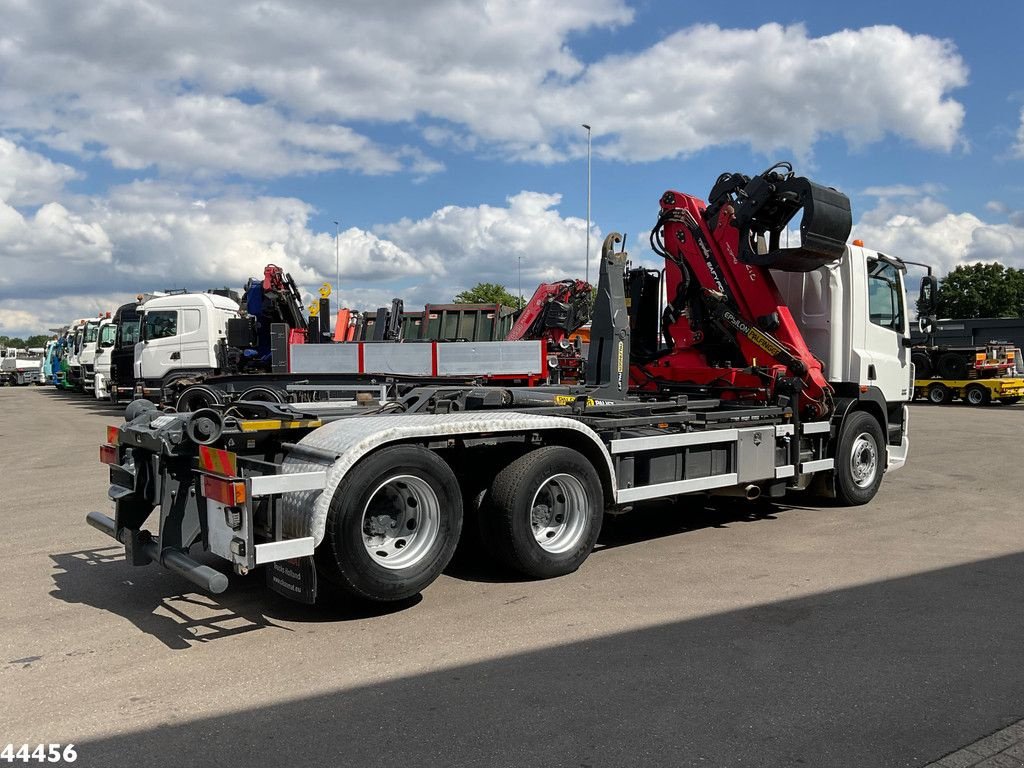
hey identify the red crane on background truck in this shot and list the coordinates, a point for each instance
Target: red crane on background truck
(771, 370)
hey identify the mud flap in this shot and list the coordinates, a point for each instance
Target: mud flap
(294, 579)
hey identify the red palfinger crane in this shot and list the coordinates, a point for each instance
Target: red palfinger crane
(726, 325)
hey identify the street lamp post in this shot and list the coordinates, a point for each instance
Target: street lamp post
(337, 260)
(519, 260)
(588, 201)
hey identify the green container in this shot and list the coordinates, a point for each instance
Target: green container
(466, 322)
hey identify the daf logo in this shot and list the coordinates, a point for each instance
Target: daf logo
(757, 438)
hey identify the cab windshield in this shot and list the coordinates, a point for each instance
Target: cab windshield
(92, 330)
(107, 334)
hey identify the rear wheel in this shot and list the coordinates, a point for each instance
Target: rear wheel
(860, 459)
(392, 526)
(198, 396)
(262, 394)
(952, 366)
(939, 394)
(976, 394)
(544, 512)
(922, 365)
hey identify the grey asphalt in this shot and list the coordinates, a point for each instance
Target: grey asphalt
(725, 635)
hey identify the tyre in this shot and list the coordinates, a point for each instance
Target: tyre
(197, 396)
(952, 366)
(392, 526)
(976, 394)
(544, 511)
(1009, 400)
(860, 459)
(939, 394)
(263, 394)
(922, 365)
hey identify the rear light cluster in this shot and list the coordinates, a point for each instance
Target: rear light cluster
(108, 452)
(229, 492)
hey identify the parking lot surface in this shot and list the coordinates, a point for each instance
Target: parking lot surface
(733, 634)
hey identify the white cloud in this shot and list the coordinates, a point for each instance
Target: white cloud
(773, 87)
(266, 90)
(930, 233)
(1018, 148)
(28, 178)
(486, 243)
(89, 253)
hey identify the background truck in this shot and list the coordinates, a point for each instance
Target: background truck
(187, 338)
(732, 399)
(974, 375)
(104, 349)
(90, 348)
(20, 366)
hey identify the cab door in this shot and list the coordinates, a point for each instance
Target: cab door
(889, 365)
(159, 350)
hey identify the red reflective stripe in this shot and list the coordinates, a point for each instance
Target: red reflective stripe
(433, 358)
(218, 460)
(361, 368)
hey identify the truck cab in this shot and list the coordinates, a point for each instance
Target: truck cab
(122, 354)
(87, 355)
(181, 335)
(853, 315)
(104, 347)
(73, 369)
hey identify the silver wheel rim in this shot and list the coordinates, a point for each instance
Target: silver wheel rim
(401, 522)
(936, 395)
(864, 460)
(558, 513)
(975, 396)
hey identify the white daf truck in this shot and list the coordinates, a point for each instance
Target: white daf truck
(372, 500)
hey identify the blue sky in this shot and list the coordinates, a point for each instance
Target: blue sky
(169, 145)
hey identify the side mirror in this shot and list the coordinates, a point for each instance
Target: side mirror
(925, 324)
(928, 299)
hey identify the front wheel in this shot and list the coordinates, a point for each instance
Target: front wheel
(392, 525)
(860, 459)
(544, 512)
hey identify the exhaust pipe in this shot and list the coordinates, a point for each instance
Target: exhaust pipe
(750, 492)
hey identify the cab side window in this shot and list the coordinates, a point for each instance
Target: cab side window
(161, 325)
(885, 298)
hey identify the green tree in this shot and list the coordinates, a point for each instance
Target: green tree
(982, 290)
(487, 293)
(39, 340)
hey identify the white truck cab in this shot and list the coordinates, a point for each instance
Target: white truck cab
(76, 334)
(87, 354)
(181, 334)
(853, 315)
(104, 345)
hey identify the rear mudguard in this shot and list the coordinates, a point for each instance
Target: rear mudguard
(343, 443)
